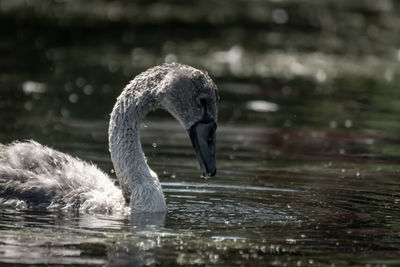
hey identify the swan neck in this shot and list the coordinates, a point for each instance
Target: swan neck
(129, 161)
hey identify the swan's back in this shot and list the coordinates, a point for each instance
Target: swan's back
(36, 176)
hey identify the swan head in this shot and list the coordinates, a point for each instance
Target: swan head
(192, 98)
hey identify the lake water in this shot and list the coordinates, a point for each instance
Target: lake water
(308, 146)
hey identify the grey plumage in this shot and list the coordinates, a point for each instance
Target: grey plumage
(36, 176)
(33, 175)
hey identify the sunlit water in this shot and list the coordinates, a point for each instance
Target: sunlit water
(308, 151)
(263, 206)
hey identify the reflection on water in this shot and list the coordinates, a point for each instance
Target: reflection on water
(301, 205)
(307, 146)
(221, 217)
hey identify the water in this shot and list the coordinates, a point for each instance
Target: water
(308, 153)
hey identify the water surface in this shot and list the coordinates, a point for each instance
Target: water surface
(308, 151)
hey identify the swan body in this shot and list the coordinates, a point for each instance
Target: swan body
(36, 176)
(33, 175)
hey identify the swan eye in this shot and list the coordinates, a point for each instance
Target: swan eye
(203, 102)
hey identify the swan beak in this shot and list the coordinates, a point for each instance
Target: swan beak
(202, 135)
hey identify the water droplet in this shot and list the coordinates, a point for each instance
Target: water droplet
(64, 112)
(291, 241)
(333, 124)
(28, 105)
(88, 89)
(170, 58)
(80, 82)
(280, 16)
(112, 171)
(154, 145)
(320, 76)
(262, 106)
(113, 66)
(68, 87)
(30, 87)
(358, 174)
(369, 141)
(348, 123)
(73, 98)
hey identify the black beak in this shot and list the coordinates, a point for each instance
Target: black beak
(202, 134)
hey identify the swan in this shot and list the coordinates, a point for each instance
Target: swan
(36, 176)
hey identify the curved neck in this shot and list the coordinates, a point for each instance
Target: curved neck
(139, 184)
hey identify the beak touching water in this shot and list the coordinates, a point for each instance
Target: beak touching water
(202, 135)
